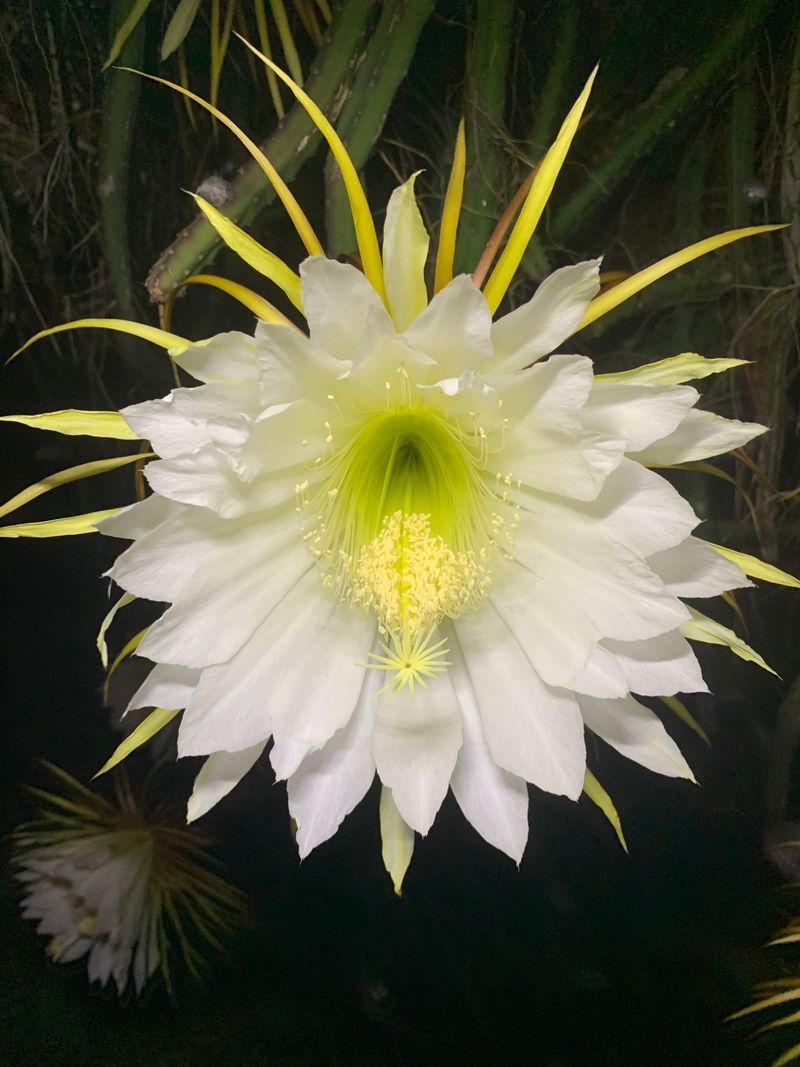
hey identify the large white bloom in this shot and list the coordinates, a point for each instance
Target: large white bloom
(417, 542)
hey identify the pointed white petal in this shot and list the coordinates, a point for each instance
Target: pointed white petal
(330, 782)
(568, 463)
(220, 773)
(554, 391)
(694, 569)
(415, 743)
(532, 730)
(405, 250)
(635, 732)
(454, 328)
(660, 666)
(168, 685)
(140, 518)
(638, 413)
(226, 357)
(336, 299)
(291, 367)
(493, 800)
(700, 435)
(549, 317)
(179, 423)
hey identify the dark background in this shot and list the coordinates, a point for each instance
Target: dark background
(585, 955)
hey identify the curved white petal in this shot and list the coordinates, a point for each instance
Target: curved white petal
(569, 463)
(658, 666)
(415, 743)
(454, 328)
(299, 677)
(700, 435)
(292, 368)
(638, 413)
(179, 423)
(220, 773)
(168, 685)
(226, 357)
(694, 569)
(405, 250)
(330, 782)
(549, 317)
(141, 518)
(635, 732)
(336, 300)
(553, 391)
(532, 730)
(493, 800)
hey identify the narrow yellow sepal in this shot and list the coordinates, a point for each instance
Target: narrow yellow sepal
(768, 1002)
(597, 794)
(284, 193)
(607, 301)
(260, 307)
(755, 567)
(535, 202)
(170, 341)
(129, 647)
(362, 218)
(71, 474)
(675, 370)
(69, 526)
(451, 210)
(701, 628)
(253, 253)
(77, 423)
(102, 647)
(147, 728)
(397, 840)
(683, 713)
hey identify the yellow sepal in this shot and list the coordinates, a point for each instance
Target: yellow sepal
(755, 567)
(253, 253)
(170, 341)
(710, 632)
(397, 840)
(147, 728)
(683, 713)
(260, 307)
(102, 648)
(535, 202)
(595, 792)
(71, 474)
(285, 195)
(607, 301)
(451, 209)
(77, 423)
(129, 647)
(675, 370)
(69, 526)
(363, 223)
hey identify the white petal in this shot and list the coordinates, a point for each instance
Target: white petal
(564, 462)
(636, 507)
(549, 317)
(700, 435)
(635, 732)
(336, 299)
(291, 367)
(405, 250)
(618, 591)
(694, 569)
(227, 599)
(298, 676)
(551, 626)
(532, 731)
(659, 666)
(555, 391)
(179, 423)
(640, 414)
(330, 782)
(415, 743)
(454, 328)
(226, 357)
(220, 773)
(168, 685)
(493, 800)
(140, 518)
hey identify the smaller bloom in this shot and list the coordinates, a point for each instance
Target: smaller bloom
(106, 882)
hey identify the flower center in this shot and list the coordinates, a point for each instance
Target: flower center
(404, 526)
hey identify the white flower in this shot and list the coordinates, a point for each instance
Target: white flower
(417, 542)
(103, 882)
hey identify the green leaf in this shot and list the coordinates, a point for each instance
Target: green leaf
(179, 26)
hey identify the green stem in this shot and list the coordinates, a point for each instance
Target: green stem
(487, 79)
(294, 141)
(548, 114)
(650, 122)
(385, 64)
(119, 113)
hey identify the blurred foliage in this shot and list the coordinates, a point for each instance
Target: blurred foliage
(694, 129)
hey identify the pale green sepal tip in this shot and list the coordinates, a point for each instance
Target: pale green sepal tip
(397, 840)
